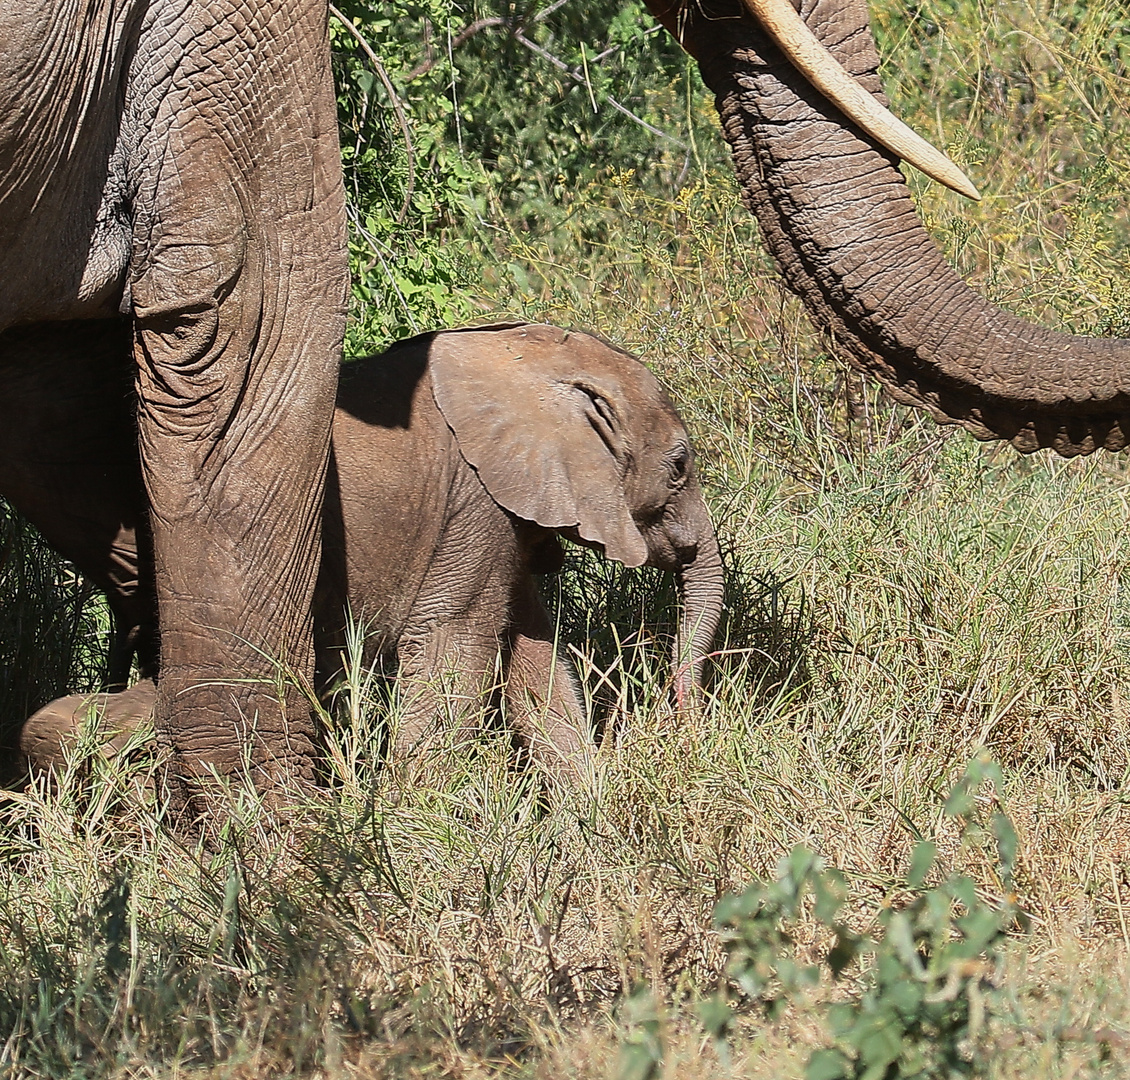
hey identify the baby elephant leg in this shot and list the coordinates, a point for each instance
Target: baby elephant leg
(48, 734)
(445, 678)
(542, 699)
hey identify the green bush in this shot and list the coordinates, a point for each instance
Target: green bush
(928, 980)
(54, 628)
(461, 125)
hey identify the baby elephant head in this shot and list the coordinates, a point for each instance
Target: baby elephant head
(570, 433)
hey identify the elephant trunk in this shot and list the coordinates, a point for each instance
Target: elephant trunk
(836, 214)
(701, 589)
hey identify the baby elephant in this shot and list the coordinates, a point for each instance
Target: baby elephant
(459, 458)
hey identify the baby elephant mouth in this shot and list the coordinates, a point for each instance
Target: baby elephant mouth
(686, 552)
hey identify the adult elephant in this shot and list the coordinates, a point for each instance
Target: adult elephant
(459, 459)
(836, 214)
(173, 165)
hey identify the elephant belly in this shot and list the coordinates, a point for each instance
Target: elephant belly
(422, 539)
(391, 471)
(413, 542)
(64, 227)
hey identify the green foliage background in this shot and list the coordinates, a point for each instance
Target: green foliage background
(562, 161)
(467, 124)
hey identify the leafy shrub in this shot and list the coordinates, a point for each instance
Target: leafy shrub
(928, 984)
(463, 124)
(400, 186)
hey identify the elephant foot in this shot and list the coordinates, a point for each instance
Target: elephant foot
(557, 745)
(47, 736)
(429, 765)
(564, 773)
(223, 735)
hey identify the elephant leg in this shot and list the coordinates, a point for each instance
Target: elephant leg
(446, 675)
(542, 699)
(135, 626)
(49, 733)
(238, 289)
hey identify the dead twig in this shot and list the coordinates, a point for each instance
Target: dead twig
(465, 34)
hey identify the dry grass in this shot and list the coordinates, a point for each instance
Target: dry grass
(901, 597)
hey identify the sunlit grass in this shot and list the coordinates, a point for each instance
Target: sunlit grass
(900, 596)
(470, 925)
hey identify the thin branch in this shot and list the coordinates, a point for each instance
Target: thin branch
(643, 123)
(397, 106)
(464, 35)
(375, 247)
(546, 12)
(535, 48)
(578, 78)
(517, 31)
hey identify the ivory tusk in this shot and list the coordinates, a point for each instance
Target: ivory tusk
(788, 30)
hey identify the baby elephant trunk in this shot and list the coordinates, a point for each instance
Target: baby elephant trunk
(701, 589)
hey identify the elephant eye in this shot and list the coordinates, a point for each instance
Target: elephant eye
(679, 462)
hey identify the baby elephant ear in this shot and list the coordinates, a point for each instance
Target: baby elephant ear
(538, 414)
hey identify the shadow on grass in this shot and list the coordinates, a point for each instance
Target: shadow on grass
(54, 631)
(621, 624)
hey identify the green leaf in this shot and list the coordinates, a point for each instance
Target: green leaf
(906, 996)
(963, 890)
(1008, 844)
(900, 937)
(846, 950)
(715, 1015)
(637, 1062)
(828, 1065)
(960, 802)
(980, 926)
(921, 863)
(801, 862)
(830, 894)
(879, 1043)
(641, 1052)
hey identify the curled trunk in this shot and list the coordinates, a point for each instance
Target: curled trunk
(836, 214)
(701, 587)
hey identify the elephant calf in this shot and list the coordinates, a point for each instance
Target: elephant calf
(459, 458)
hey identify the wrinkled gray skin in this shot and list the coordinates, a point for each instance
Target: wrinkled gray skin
(170, 194)
(49, 732)
(139, 174)
(835, 212)
(458, 459)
